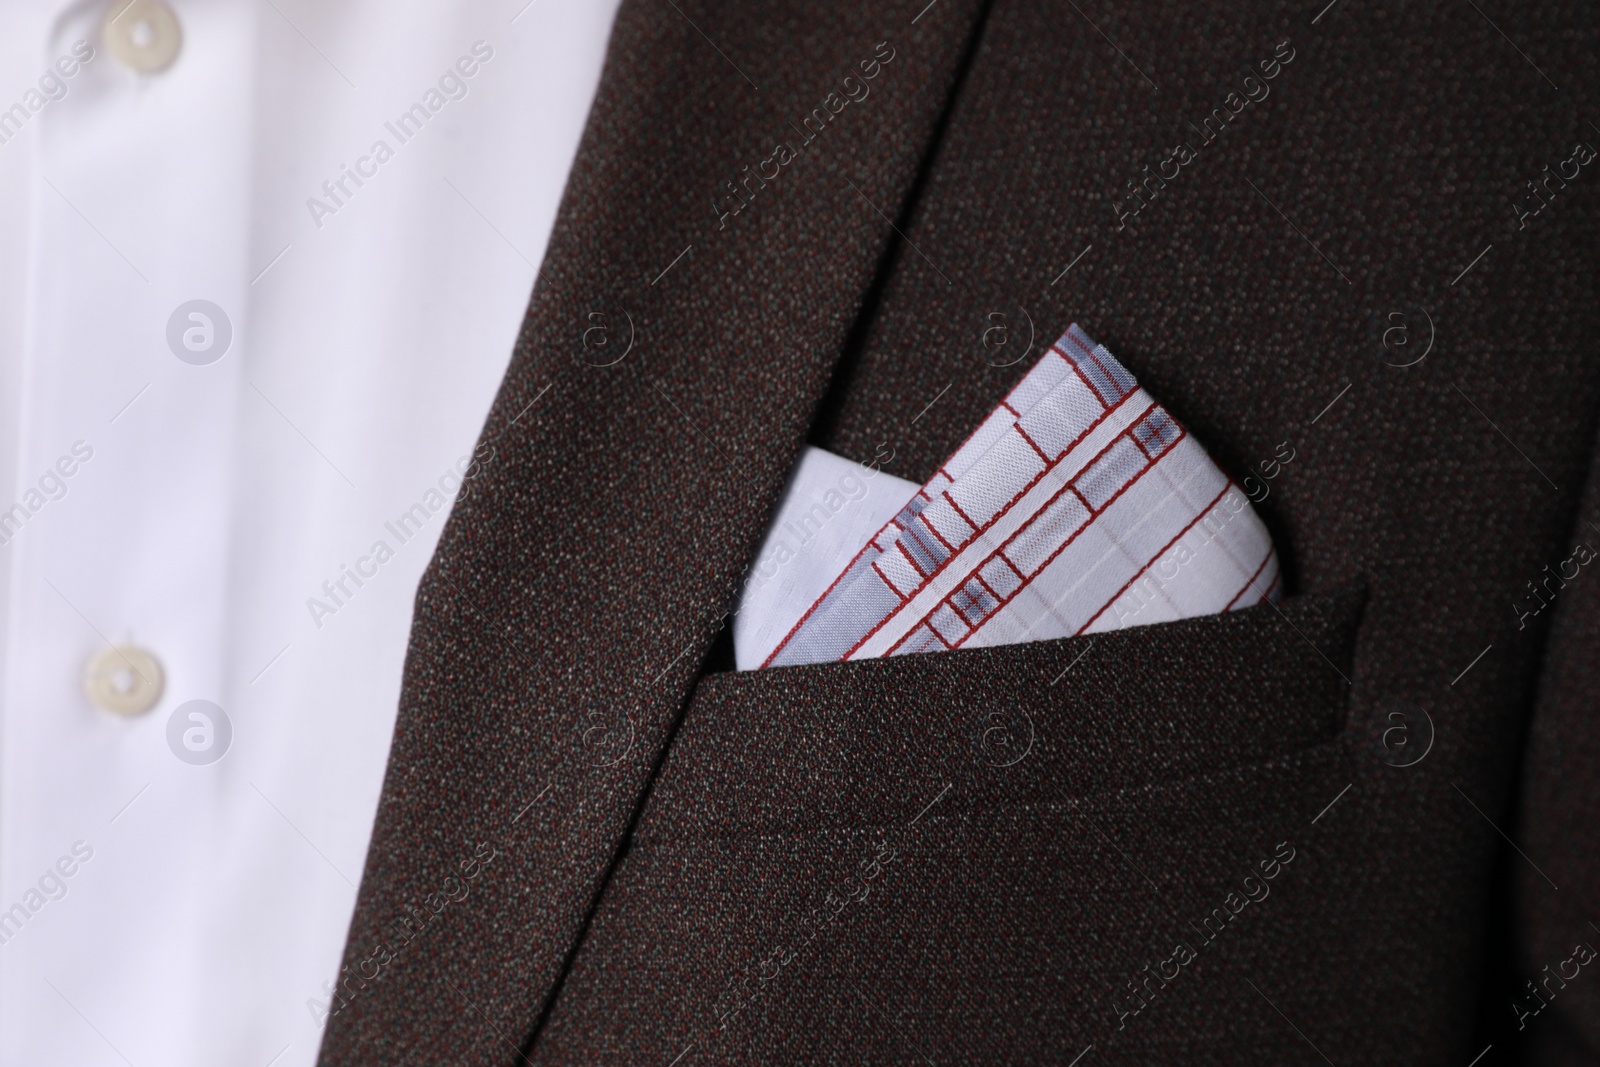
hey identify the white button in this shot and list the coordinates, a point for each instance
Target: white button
(144, 34)
(124, 679)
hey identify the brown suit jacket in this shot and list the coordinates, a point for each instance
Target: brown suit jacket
(1280, 836)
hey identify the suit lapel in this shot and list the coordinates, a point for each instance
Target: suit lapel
(676, 347)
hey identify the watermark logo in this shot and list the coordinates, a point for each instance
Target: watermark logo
(1256, 488)
(53, 86)
(1005, 737)
(199, 332)
(51, 886)
(1543, 593)
(606, 744)
(735, 194)
(1542, 190)
(453, 84)
(1407, 737)
(1406, 336)
(199, 732)
(1007, 336)
(608, 337)
(1147, 185)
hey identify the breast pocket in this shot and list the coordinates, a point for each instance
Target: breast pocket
(847, 744)
(842, 848)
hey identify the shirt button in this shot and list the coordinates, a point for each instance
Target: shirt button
(124, 679)
(143, 34)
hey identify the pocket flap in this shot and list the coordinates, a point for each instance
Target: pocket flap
(864, 743)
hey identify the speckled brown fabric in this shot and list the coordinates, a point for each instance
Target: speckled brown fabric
(1560, 816)
(1270, 838)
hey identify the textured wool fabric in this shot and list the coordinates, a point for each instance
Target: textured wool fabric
(1560, 808)
(920, 854)
(581, 580)
(1283, 850)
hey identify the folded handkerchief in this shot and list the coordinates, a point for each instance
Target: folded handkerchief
(829, 509)
(1078, 506)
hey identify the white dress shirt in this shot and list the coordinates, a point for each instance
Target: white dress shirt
(200, 481)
